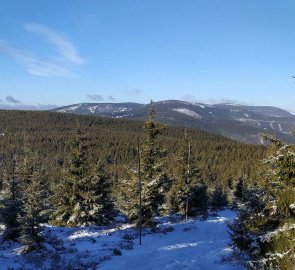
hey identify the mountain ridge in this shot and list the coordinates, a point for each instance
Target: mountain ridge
(236, 121)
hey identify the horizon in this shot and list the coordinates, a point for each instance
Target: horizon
(65, 52)
(40, 107)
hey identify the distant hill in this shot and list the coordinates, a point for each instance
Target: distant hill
(238, 122)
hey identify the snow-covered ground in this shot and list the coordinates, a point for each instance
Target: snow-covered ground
(188, 112)
(195, 244)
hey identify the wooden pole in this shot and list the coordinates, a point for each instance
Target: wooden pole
(139, 191)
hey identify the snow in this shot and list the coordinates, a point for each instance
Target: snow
(92, 109)
(271, 125)
(251, 121)
(122, 109)
(188, 112)
(235, 110)
(201, 105)
(268, 236)
(195, 244)
(280, 127)
(71, 108)
(124, 115)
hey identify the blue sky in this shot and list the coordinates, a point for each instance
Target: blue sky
(63, 52)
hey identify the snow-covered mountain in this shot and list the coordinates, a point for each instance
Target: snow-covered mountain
(239, 122)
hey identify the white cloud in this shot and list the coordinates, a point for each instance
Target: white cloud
(64, 46)
(33, 64)
(11, 99)
(48, 69)
(95, 97)
(50, 66)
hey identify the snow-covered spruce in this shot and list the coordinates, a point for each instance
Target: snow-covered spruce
(83, 195)
(265, 227)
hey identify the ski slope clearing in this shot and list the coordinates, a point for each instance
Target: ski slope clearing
(195, 244)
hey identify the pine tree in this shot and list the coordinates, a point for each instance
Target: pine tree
(35, 192)
(11, 203)
(83, 196)
(188, 193)
(127, 195)
(267, 232)
(240, 189)
(153, 178)
(243, 225)
(96, 206)
(153, 174)
(34, 210)
(219, 199)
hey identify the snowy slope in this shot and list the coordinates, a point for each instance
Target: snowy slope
(238, 122)
(194, 245)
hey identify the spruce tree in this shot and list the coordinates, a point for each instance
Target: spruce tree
(127, 195)
(35, 192)
(267, 232)
(188, 193)
(219, 199)
(240, 189)
(10, 203)
(83, 195)
(34, 210)
(154, 179)
(153, 175)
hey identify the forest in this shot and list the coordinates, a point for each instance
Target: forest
(69, 170)
(115, 142)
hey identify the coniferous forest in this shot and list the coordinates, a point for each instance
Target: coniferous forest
(147, 135)
(71, 171)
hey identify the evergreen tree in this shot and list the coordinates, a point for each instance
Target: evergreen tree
(240, 189)
(219, 199)
(11, 203)
(35, 192)
(127, 195)
(96, 206)
(188, 193)
(153, 178)
(153, 174)
(82, 197)
(267, 231)
(34, 210)
(240, 229)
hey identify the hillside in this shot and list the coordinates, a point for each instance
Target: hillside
(114, 140)
(238, 122)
